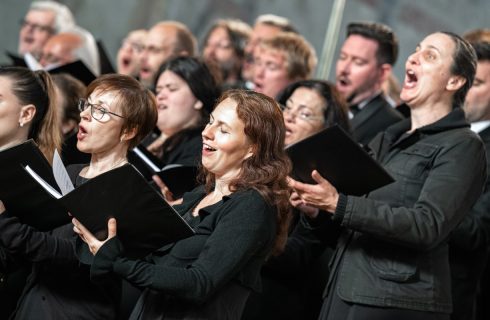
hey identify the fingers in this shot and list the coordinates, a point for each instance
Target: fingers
(318, 178)
(82, 231)
(167, 194)
(111, 228)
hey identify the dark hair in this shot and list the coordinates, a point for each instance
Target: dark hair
(482, 50)
(266, 170)
(385, 37)
(204, 87)
(335, 110)
(36, 88)
(238, 32)
(72, 90)
(197, 76)
(137, 104)
(464, 65)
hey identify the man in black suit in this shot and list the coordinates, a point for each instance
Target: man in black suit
(468, 244)
(365, 62)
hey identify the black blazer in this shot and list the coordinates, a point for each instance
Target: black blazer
(468, 248)
(374, 117)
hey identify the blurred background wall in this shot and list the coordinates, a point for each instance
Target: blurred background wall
(110, 20)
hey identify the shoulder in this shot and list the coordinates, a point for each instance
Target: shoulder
(249, 201)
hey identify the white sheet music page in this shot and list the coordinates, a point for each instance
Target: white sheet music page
(61, 175)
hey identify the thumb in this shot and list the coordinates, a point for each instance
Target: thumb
(318, 178)
(111, 228)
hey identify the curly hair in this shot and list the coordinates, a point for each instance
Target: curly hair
(266, 170)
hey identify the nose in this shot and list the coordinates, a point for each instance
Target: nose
(161, 95)
(85, 114)
(344, 66)
(413, 58)
(208, 132)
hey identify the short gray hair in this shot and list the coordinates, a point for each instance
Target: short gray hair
(64, 19)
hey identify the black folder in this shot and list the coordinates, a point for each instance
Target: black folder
(17, 60)
(77, 69)
(145, 221)
(21, 195)
(177, 177)
(340, 160)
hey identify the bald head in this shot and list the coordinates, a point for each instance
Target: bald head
(164, 41)
(60, 49)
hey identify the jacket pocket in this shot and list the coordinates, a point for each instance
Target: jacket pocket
(414, 161)
(394, 264)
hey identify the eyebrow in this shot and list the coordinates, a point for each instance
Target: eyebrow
(430, 47)
(219, 122)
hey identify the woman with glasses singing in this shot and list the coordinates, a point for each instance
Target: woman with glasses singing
(240, 217)
(116, 115)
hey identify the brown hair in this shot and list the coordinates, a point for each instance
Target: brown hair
(137, 104)
(300, 56)
(37, 88)
(266, 170)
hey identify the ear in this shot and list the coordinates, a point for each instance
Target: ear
(455, 83)
(198, 105)
(251, 152)
(385, 71)
(27, 113)
(128, 134)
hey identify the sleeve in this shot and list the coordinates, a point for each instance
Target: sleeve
(241, 233)
(307, 242)
(453, 184)
(23, 241)
(473, 233)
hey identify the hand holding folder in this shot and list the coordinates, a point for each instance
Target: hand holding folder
(178, 178)
(340, 160)
(145, 220)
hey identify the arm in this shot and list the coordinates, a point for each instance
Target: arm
(473, 233)
(22, 241)
(242, 233)
(446, 195)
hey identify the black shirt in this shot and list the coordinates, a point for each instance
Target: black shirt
(206, 276)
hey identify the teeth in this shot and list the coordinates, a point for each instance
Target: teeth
(207, 147)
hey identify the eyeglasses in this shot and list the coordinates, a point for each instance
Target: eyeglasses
(138, 47)
(35, 27)
(302, 113)
(96, 110)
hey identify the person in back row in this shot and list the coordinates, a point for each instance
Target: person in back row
(164, 41)
(224, 46)
(280, 61)
(364, 63)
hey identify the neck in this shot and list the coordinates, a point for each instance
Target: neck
(103, 163)
(221, 188)
(425, 115)
(19, 138)
(365, 95)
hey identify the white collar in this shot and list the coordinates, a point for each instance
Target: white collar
(479, 126)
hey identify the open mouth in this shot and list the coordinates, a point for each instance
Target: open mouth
(343, 81)
(410, 79)
(82, 132)
(207, 148)
(126, 62)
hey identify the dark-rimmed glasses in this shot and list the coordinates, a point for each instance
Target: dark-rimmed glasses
(35, 27)
(96, 110)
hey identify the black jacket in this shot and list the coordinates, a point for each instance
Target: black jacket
(394, 252)
(468, 247)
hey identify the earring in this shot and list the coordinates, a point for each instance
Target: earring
(21, 124)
